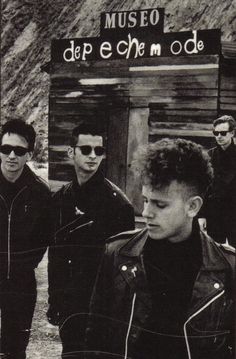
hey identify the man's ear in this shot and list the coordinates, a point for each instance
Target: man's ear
(194, 205)
(70, 152)
(29, 156)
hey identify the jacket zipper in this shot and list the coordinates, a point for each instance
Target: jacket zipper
(65, 226)
(81, 226)
(194, 315)
(9, 215)
(133, 270)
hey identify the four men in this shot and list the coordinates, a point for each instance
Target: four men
(86, 212)
(221, 203)
(24, 236)
(162, 292)
(165, 291)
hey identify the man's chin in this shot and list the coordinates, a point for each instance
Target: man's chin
(12, 168)
(156, 236)
(90, 170)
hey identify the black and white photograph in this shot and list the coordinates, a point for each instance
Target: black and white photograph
(118, 179)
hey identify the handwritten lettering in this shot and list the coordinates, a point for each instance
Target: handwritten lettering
(155, 50)
(105, 50)
(190, 47)
(73, 53)
(132, 45)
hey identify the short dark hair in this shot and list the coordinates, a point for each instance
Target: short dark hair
(19, 127)
(166, 160)
(85, 129)
(225, 119)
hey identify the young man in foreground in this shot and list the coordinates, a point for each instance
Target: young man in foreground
(165, 292)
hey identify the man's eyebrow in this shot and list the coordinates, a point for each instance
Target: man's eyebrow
(154, 200)
(158, 200)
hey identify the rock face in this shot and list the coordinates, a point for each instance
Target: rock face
(29, 25)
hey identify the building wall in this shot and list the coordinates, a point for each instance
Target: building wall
(137, 101)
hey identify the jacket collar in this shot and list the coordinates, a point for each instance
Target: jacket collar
(209, 282)
(134, 247)
(26, 178)
(212, 258)
(96, 179)
(230, 149)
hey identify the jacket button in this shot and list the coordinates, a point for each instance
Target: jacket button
(124, 268)
(216, 286)
(69, 261)
(114, 194)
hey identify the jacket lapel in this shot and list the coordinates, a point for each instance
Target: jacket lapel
(131, 267)
(211, 276)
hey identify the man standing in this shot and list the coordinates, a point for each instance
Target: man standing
(165, 291)
(25, 230)
(221, 202)
(87, 211)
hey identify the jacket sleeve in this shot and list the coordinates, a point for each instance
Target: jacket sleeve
(57, 274)
(42, 229)
(58, 264)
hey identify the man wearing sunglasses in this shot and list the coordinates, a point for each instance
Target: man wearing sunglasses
(24, 233)
(221, 204)
(87, 211)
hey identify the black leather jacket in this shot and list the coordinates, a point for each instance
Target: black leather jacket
(83, 217)
(25, 225)
(121, 302)
(219, 208)
(224, 164)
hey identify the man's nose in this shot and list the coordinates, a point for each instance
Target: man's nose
(12, 154)
(147, 211)
(92, 153)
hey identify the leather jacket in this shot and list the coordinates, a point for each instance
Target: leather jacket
(224, 164)
(83, 218)
(25, 225)
(220, 206)
(121, 302)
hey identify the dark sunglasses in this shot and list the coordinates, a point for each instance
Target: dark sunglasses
(222, 133)
(18, 150)
(86, 150)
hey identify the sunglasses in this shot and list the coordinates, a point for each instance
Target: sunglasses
(18, 150)
(222, 133)
(86, 150)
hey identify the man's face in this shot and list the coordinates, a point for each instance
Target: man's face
(87, 163)
(166, 212)
(223, 141)
(12, 163)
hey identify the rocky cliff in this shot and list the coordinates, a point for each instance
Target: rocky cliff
(29, 25)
